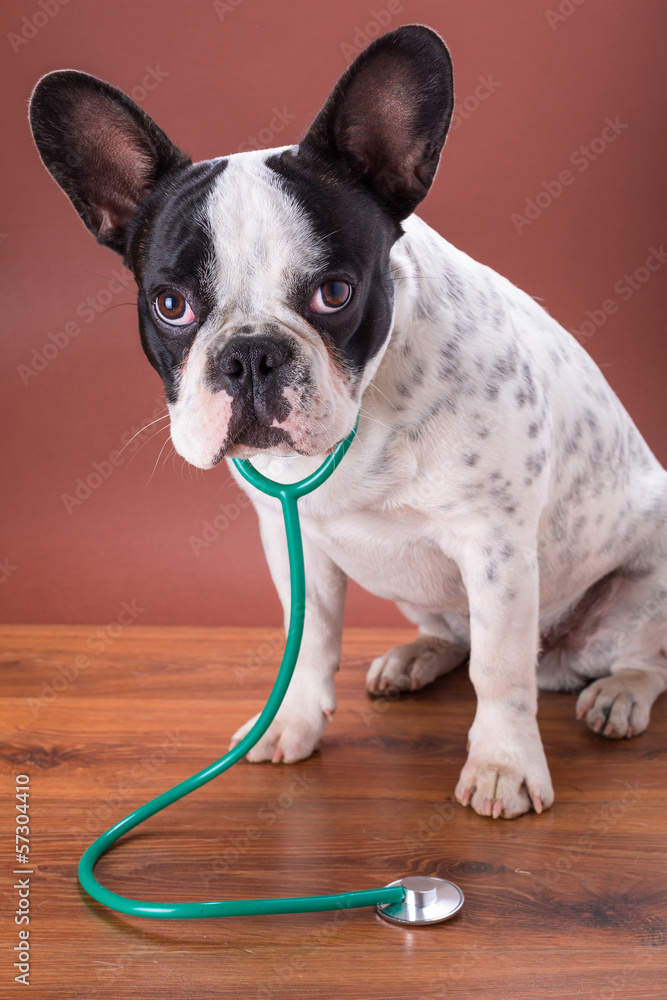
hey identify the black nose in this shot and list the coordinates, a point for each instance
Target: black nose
(254, 369)
(246, 360)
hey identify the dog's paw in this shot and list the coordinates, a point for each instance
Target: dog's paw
(408, 668)
(497, 782)
(616, 706)
(294, 733)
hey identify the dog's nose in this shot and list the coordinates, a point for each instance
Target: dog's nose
(251, 360)
(254, 369)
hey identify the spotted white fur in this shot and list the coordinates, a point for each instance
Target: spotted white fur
(486, 524)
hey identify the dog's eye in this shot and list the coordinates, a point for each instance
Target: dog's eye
(173, 308)
(331, 296)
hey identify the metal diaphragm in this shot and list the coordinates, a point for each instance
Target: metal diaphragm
(427, 900)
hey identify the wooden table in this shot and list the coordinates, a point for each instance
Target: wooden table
(569, 904)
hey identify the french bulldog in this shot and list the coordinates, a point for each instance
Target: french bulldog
(497, 489)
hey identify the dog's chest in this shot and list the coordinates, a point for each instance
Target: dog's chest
(394, 555)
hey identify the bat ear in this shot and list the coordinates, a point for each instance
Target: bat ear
(104, 151)
(386, 120)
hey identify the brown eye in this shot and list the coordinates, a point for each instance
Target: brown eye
(173, 308)
(331, 296)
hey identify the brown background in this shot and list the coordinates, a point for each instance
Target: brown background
(212, 80)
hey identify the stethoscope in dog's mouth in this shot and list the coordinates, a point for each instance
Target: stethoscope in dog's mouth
(413, 900)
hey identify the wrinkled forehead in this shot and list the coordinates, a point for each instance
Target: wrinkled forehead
(256, 224)
(256, 219)
(232, 224)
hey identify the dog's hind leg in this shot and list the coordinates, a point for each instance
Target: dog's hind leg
(620, 704)
(632, 639)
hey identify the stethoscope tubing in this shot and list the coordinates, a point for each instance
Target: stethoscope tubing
(288, 494)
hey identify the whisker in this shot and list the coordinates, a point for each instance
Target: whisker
(223, 485)
(109, 308)
(369, 416)
(411, 261)
(148, 441)
(163, 416)
(110, 277)
(156, 462)
(426, 277)
(378, 389)
(172, 452)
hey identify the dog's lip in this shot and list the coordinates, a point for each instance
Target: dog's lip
(244, 451)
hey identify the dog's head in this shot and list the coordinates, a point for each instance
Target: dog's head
(265, 292)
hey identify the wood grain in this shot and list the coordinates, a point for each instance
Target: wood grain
(569, 904)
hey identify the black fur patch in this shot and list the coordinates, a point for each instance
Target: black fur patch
(358, 236)
(170, 246)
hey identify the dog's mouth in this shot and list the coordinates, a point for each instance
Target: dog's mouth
(274, 441)
(249, 440)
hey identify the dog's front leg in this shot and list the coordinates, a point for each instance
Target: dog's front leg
(506, 771)
(311, 697)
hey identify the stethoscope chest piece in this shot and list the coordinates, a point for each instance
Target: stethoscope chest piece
(427, 900)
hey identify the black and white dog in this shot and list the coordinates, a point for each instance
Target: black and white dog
(498, 491)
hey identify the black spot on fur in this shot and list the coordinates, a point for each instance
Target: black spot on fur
(536, 462)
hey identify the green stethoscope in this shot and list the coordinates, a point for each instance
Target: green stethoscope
(411, 900)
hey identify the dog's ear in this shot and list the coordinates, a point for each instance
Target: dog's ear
(102, 149)
(386, 119)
